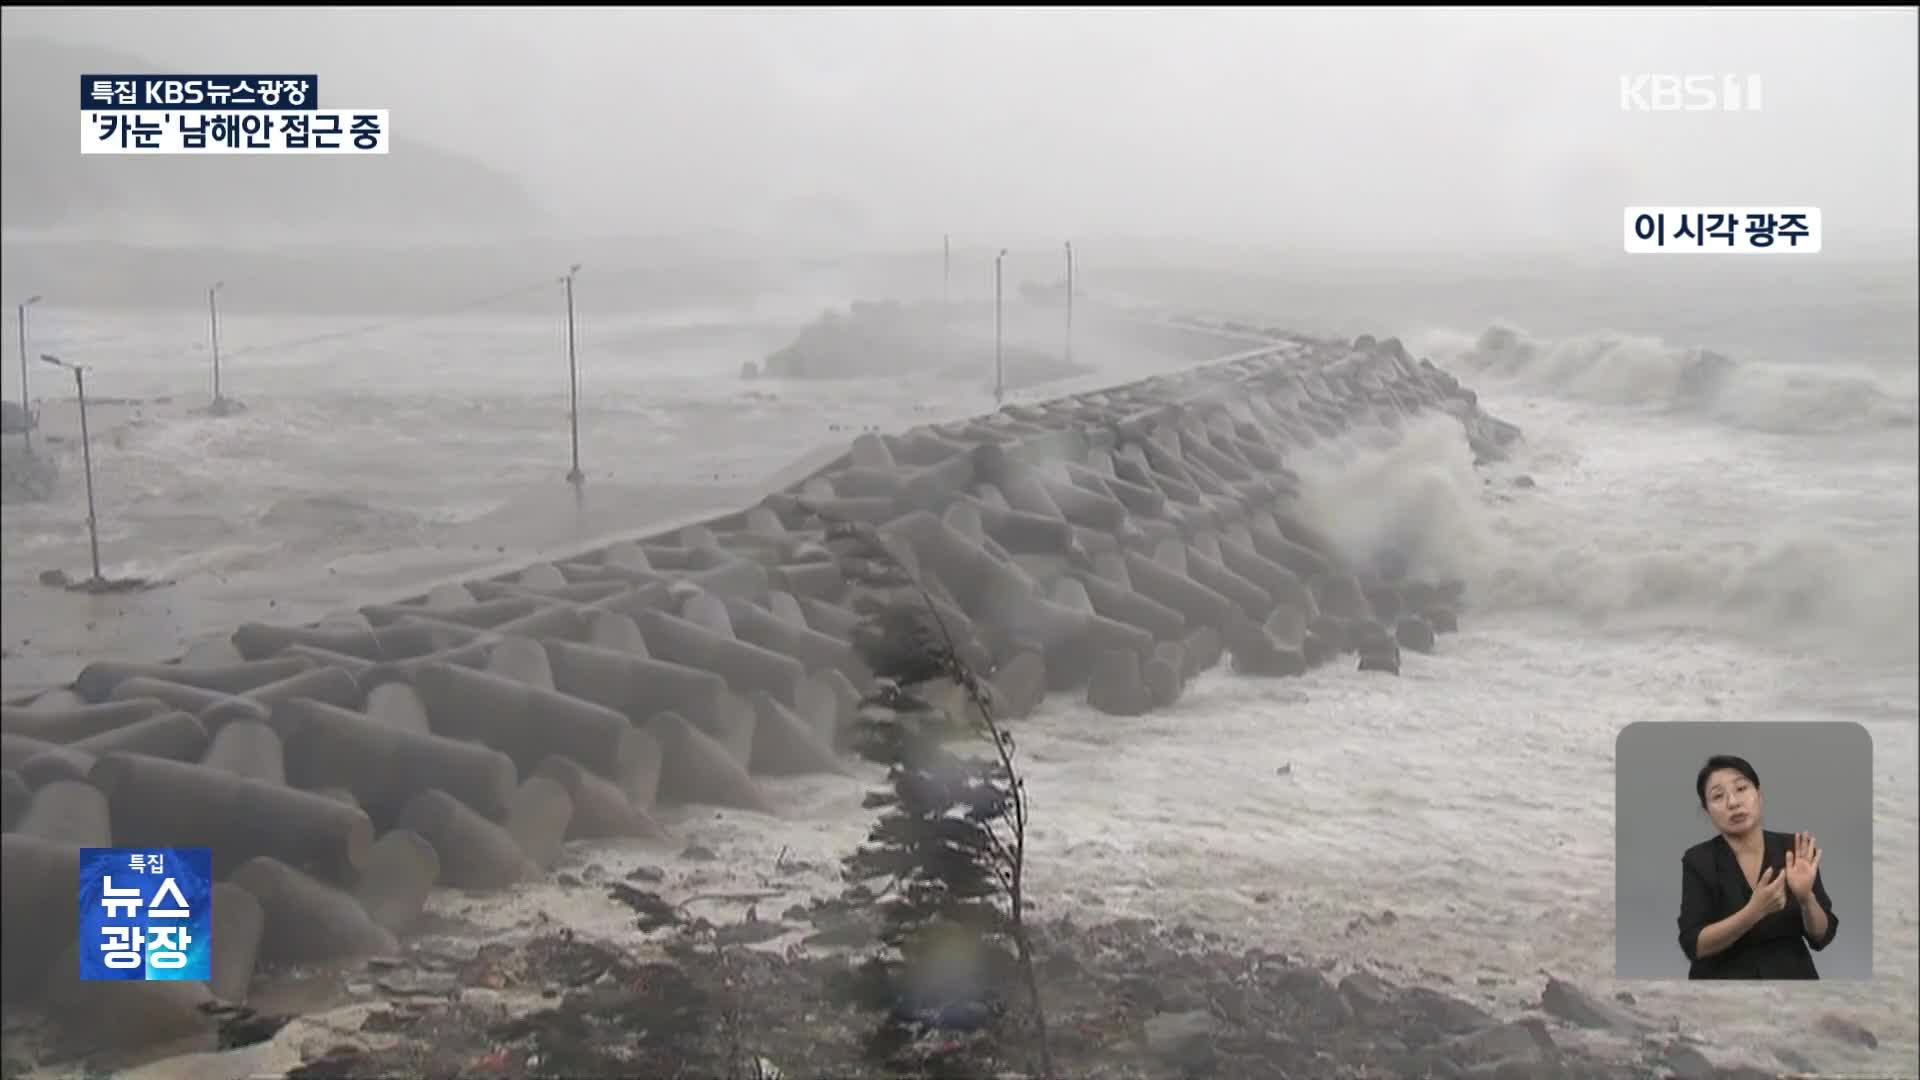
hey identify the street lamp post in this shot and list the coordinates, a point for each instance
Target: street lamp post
(86, 453)
(1069, 301)
(213, 326)
(574, 476)
(25, 408)
(999, 372)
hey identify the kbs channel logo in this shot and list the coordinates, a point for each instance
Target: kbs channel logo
(1690, 93)
(221, 114)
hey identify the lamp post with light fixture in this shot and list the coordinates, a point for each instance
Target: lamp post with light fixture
(86, 453)
(999, 373)
(213, 329)
(1069, 302)
(574, 476)
(25, 409)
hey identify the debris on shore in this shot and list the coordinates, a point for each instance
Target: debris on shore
(1130, 999)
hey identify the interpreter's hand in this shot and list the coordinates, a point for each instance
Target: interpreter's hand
(1803, 865)
(1770, 894)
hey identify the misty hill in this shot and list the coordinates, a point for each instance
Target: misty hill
(46, 184)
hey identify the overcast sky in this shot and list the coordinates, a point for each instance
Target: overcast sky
(1374, 130)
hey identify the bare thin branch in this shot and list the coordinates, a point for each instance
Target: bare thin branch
(1008, 855)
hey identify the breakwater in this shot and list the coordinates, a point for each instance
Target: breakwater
(1111, 544)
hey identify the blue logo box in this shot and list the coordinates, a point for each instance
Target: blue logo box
(146, 914)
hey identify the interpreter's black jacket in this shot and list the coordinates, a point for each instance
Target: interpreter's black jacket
(1713, 888)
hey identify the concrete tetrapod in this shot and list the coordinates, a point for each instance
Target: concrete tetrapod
(250, 749)
(1165, 674)
(384, 766)
(600, 809)
(636, 686)
(786, 745)
(97, 681)
(528, 723)
(69, 812)
(398, 705)
(158, 803)
(39, 909)
(997, 594)
(40, 763)
(239, 926)
(309, 921)
(401, 871)
(17, 796)
(1256, 651)
(81, 722)
(1019, 685)
(735, 729)
(745, 667)
(95, 1016)
(1117, 687)
(190, 699)
(538, 821)
(813, 650)
(260, 641)
(1118, 601)
(172, 735)
(703, 771)
(474, 853)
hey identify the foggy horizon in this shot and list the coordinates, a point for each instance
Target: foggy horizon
(1456, 134)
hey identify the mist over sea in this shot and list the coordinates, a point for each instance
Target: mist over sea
(1721, 523)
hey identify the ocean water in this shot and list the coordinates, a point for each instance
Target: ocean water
(1724, 533)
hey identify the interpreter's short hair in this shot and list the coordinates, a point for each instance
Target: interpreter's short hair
(1715, 764)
